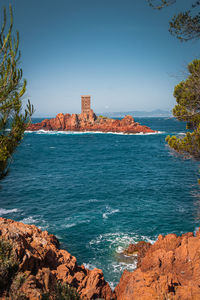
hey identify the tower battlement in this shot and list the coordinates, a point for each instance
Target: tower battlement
(85, 104)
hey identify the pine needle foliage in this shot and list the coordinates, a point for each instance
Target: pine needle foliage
(13, 119)
(185, 25)
(187, 94)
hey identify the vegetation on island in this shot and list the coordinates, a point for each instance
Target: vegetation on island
(13, 118)
(185, 25)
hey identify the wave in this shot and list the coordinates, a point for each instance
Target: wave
(121, 266)
(115, 243)
(93, 200)
(109, 211)
(73, 221)
(41, 224)
(149, 133)
(29, 220)
(69, 225)
(119, 240)
(54, 132)
(7, 211)
(181, 133)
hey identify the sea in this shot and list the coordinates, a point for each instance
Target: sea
(99, 192)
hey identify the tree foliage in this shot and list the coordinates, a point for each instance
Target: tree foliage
(13, 118)
(187, 94)
(185, 25)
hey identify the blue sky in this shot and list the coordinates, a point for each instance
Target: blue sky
(119, 52)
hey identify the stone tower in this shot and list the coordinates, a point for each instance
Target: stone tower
(85, 104)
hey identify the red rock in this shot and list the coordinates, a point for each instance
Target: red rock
(170, 269)
(43, 263)
(138, 249)
(90, 122)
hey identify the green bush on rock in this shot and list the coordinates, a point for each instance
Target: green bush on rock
(62, 292)
(8, 265)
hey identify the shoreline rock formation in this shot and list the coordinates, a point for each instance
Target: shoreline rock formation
(43, 264)
(168, 269)
(90, 122)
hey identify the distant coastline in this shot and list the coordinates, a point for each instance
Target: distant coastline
(140, 114)
(137, 114)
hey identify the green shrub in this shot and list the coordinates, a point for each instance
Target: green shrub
(8, 265)
(62, 292)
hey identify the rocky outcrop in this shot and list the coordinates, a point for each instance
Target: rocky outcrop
(138, 250)
(170, 269)
(43, 263)
(90, 122)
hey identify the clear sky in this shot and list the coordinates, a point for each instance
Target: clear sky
(118, 51)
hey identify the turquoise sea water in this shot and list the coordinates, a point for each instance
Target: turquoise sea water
(99, 192)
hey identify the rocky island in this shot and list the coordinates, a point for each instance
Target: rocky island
(88, 121)
(32, 264)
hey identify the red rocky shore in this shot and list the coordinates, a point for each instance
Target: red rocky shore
(43, 263)
(168, 269)
(90, 122)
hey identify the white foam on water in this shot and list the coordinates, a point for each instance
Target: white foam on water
(119, 240)
(7, 211)
(73, 221)
(109, 211)
(29, 220)
(149, 133)
(43, 227)
(89, 266)
(41, 224)
(69, 225)
(28, 131)
(119, 249)
(41, 131)
(121, 266)
(59, 237)
(180, 209)
(181, 133)
(112, 285)
(93, 200)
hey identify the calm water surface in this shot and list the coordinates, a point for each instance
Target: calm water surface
(99, 192)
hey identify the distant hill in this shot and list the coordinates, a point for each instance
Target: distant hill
(153, 113)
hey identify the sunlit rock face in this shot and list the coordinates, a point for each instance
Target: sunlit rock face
(44, 264)
(90, 122)
(168, 269)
